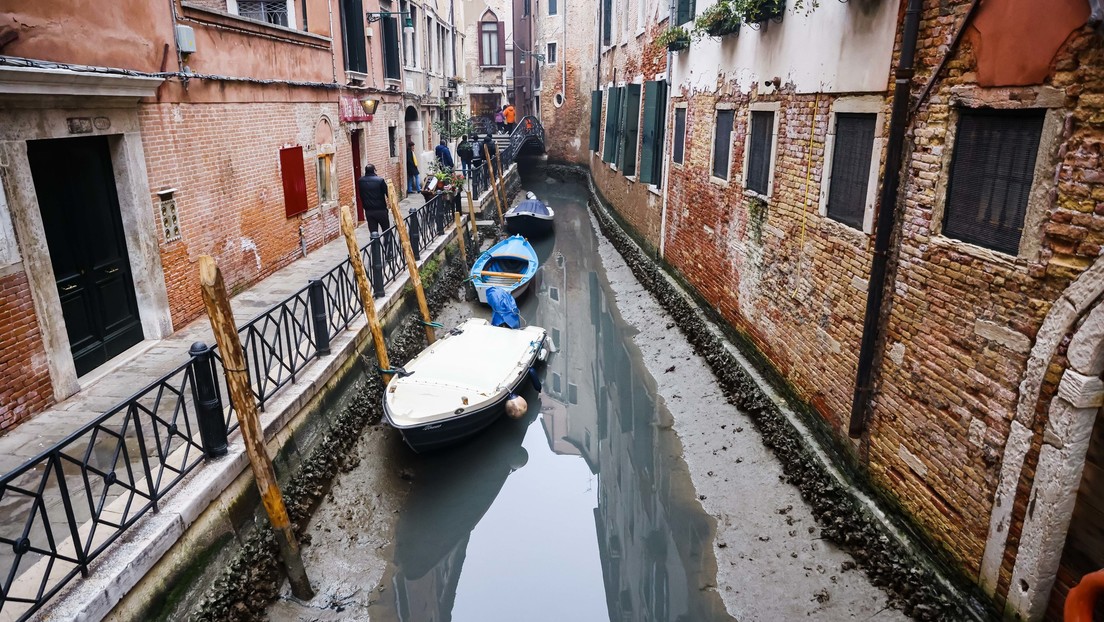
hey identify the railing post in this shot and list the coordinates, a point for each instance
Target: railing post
(212, 425)
(317, 293)
(377, 265)
(415, 233)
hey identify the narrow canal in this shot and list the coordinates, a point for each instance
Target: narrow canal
(585, 509)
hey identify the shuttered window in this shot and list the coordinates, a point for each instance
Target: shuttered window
(759, 156)
(352, 29)
(991, 175)
(390, 43)
(678, 149)
(613, 111)
(651, 140)
(491, 52)
(722, 142)
(294, 178)
(630, 129)
(685, 11)
(607, 23)
(595, 119)
(848, 187)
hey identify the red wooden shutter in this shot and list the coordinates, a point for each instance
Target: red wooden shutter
(501, 44)
(295, 180)
(479, 42)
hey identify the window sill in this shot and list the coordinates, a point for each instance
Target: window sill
(630, 178)
(718, 181)
(841, 228)
(654, 189)
(355, 76)
(413, 69)
(492, 66)
(210, 16)
(748, 192)
(1004, 260)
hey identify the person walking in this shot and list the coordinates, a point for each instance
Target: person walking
(413, 180)
(443, 155)
(511, 117)
(492, 149)
(466, 153)
(373, 200)
(500, 119)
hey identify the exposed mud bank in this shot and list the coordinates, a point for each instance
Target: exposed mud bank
(252, 580)
(910, 583)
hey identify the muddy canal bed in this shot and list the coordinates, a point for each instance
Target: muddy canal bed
(632, 490)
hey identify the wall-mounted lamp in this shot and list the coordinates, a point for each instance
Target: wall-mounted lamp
(408, 22)
(369, 105)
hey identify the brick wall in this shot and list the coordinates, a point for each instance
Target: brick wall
(223, 159)
(25, 387)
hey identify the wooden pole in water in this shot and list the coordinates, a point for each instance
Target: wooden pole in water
(245, 405)
(494, 183)
(348, 228)
(471, 213)
(460, 239)
(411, 263)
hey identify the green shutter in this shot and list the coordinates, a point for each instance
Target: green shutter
(595, 119)
(613, 109)
(632, 129)
(651, 144)
(685, 11)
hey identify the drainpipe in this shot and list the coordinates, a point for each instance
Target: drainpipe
(887, 208)
(672, 10)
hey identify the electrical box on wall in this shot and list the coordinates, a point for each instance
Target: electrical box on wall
(185, 39)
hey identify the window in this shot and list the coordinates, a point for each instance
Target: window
(275, 12)
(651, 141)
(613, 112)
(722, 143)
(684, 11)
(552, 8)
(551, 55)
(352, 31)
(595, 119)
(607, 23)
(526, 6)
(760, 151)
(850, 173)
(678, 149)
(410, 40)
(392, 146)
(991, 174)
(630, 128)
(325, 178)
(390, 43)
(491, 52)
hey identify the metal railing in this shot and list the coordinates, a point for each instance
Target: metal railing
(62, 508)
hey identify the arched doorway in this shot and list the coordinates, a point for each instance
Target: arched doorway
(413, 134)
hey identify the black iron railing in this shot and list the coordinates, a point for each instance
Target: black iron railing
(62, 508)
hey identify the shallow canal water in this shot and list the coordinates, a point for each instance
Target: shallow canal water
(582, 510)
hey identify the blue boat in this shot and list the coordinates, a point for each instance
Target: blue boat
(509, 265)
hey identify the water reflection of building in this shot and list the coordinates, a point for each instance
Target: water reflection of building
(600, 403)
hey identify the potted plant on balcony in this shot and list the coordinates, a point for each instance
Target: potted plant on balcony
(675, 38)
(758, 11)
(718, 20)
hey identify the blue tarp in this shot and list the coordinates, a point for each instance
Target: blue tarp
(531, 206)
(504, 307)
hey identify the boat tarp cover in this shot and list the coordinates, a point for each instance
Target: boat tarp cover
(532, 206)
(504, 308)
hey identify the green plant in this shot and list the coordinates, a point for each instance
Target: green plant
(757, 215)
(718, 20)
(675, 38)
(457, 127)
(449, 181)
(756, 11)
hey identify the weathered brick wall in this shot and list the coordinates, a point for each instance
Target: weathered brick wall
(25, 387)
(224, 161)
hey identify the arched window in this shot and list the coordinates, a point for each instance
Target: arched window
(492, 41)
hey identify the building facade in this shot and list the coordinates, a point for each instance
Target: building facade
(752, 162)
(138, 138)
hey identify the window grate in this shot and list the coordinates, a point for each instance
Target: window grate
(722, 142)
(851, 168)
(678, 151)
(270, 11)
(762, 128)
(991, 175)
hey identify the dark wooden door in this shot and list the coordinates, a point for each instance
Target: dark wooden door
(76, 192)
(357, 172)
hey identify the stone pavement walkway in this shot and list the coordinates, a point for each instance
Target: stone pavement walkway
(149, 362)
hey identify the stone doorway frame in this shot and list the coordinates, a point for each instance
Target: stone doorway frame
(40, 104)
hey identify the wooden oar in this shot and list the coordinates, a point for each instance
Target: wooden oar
(513, 275)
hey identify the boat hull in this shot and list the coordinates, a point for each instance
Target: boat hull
(481, 290)
(529, 225)
(442, 434)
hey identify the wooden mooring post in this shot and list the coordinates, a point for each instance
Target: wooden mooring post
(471, 214)
(348, 229)
(460, 239)
(245, 405)
(411, 263)
(494, 184)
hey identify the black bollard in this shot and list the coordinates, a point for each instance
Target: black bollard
(209, 415)
(377, 265)
(415, 231)
(317, 294)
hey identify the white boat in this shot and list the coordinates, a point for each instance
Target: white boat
(531, 218)
(460, 384)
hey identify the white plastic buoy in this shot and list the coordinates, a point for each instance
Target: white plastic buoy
(516, 407)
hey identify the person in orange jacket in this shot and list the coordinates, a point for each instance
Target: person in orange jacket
(511, 117)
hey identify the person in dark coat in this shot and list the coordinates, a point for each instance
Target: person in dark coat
(444, 157)
(492, 149)
(413, 181)
(373, 199)
(467, 153)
